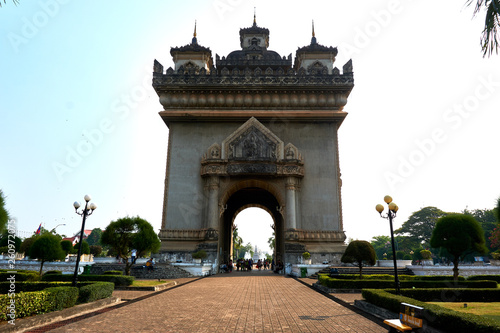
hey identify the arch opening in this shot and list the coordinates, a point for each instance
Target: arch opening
(255, 226)
(240, 200)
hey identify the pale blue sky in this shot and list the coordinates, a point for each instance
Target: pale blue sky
(79, 115)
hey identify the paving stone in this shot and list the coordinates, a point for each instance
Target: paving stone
(235, 302)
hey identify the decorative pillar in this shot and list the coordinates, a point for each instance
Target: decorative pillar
(213, 202)
(291, 187)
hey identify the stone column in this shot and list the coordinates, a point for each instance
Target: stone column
(213, 202)
(291, 217)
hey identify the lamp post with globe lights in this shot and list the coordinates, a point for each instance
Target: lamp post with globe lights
(86, 211)
(393, 208)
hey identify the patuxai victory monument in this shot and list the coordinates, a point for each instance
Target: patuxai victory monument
(253, 129)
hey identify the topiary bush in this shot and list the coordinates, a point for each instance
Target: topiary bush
(52, 272)
(113, 273)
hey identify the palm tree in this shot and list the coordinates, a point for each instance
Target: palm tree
(237, 242)
(5, 1)
(490, 34)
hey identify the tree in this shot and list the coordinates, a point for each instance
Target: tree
(420, 225)
(128, 233)
(496, 210)
(359, 252)
(4, 240)
(272, 241)
(95, 250)
(85, 247)
(27, 243)
(237, 243)
(67, 246)
(16, 2)
(458, 234)
(490, 34)
(95, 237)
(47, 247)
(487, 220)
(4, 214)
(381, 244)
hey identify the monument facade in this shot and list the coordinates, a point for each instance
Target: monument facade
(253, 129)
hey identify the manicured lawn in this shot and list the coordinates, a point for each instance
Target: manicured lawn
(490, 310)
(147, 283)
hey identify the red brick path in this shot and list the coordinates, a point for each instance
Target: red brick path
(235, 302)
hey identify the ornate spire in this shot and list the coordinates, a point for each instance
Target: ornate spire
(194, 40)
(313, 39)
(254, 17)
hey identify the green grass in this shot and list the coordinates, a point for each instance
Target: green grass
(490, 310)
(147, 283)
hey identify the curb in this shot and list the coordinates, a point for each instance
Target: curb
(153, 288)
(42, 319)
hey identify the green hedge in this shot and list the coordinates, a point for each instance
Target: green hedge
(485, 277)
(52, 272)
(113, 273)
(62, 297)
(437, 278)
(118, 280)
(436, 316)
(20, 276)
(453, 295)
(38, 302)
(385, 284)
(95, 290)
(26, 286)
(53, 298)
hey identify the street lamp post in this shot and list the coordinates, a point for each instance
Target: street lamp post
(87, 211)
(393, 208)
(53, 231)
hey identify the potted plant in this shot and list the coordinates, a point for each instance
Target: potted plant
(307, 258)
(199, 255)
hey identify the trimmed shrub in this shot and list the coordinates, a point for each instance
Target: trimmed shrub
(118, 280)
(485, 277)
(62, 297)
(437, 278)
(113, 273)
(385, 284)
(435, 315)
(26, 304)
(21, 276)
(27, 286)
(453, 295)
(53, 272)
(94, 291)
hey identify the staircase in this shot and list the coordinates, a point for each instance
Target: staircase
(366, 271)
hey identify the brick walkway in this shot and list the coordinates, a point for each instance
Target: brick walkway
(235, 302)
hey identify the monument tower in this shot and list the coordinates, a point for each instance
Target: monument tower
(253, 129)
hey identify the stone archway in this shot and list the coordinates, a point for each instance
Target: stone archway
(253, 128)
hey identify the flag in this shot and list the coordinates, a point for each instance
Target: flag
(38, 230)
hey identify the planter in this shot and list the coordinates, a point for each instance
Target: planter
(307, 261)
(197, 261)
